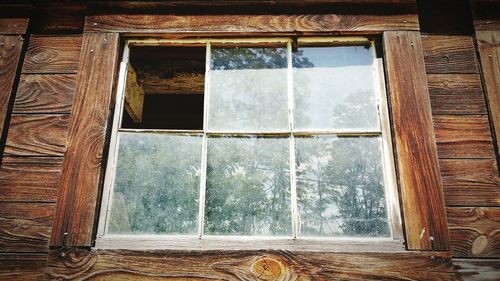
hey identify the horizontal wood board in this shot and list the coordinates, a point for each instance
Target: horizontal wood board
(45, 93)
(419, 175)
(456, 94)
(248, 24)
(470, 182)
(463, 136)
(29, 179)
(52, 54)
(449, 54)
(82, 166)
(247, 265)
(25, 227)
(475, 231)
(13, 25)
(22, 266)
(37, 135)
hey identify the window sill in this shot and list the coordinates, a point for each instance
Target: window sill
(193, 243)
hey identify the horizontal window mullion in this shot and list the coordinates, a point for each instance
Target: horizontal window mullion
(162, 131)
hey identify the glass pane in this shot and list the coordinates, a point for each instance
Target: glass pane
(248, 186)
(340, 186)
(156, 185)
(334, 89)
(248, 89)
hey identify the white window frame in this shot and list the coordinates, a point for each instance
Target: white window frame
(394, 242)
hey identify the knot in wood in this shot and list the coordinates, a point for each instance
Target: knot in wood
(267, 268)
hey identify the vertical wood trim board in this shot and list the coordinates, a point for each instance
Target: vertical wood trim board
(489, 52)
(10, 51)
(418, 168)
(81, 171)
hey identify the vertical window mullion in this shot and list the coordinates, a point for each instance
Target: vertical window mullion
(203, 172)
(293, 177)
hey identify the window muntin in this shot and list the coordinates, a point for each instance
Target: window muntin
(358, 134)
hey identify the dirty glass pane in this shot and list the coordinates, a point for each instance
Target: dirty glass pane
(248, 89)
(248, 186)
(340, 186)
(156, 185)
(334, 89)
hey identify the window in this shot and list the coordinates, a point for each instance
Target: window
(275, 138)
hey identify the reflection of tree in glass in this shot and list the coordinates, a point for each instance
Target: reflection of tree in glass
(248, 187)
(357, 111)
(340, 187)
(248, 88)
(157, 184)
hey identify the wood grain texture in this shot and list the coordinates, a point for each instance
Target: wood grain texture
(474, 232)
(134, 96)
(489, 52)
(25, 227)
(22, 266)
(45, 93)
(456, 94)
(478, 269)
(449, 54)
(470, 182)
(253, 7)
(10, 51)
(461, 136)
(81, 173)
(37, 135)
(487, 25)
(29, 179)
(419, 175)
(247, 265)
(13, 25)
(224, 24)
(52, 54)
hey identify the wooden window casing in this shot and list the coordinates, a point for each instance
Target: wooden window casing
(415, 148)
(394, 242)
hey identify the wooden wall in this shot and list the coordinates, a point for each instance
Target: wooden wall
(33, 154)
(35, 143)
(466, 150)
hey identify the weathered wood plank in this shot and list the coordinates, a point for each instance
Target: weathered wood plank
(134, 96)
(456, 94)
(31, 179)
(25, 227)
(449, 54)
(461, 136)
(52, 54)
(489, 52)
(470, 182)
(487, 25)
(214, 24)
(22, 267)
(419, 175)
(253, 7)
(248, 265)
(81, 173)
(37, 135)
(478, 269)
(10, 50)
(13, 25)
(45, 93)
(474, 232)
